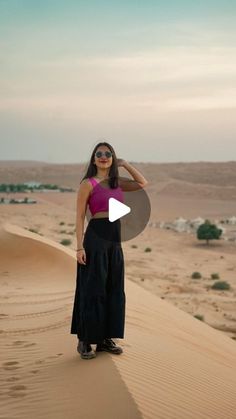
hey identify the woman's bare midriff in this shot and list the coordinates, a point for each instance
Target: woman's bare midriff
(101, 214)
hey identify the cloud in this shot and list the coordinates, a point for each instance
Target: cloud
(165, 79)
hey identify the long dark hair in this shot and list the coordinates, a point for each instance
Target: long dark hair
(113, 172)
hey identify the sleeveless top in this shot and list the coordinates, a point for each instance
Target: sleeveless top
(99, 197)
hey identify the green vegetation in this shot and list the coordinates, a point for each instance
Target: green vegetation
(33, 230)
(196, 275)
(215, 276)
(199, 317)
(23, 187)
(148, 249)
(65, 242)
(221, 285)
(67, 232)
(208, 231)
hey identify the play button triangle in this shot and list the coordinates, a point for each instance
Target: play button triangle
(117, 209)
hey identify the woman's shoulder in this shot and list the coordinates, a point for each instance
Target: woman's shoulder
(90, 182)
(86, 184)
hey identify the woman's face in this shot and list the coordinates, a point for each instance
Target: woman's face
(103, 157)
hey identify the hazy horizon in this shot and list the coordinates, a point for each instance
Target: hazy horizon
(156, 80)
(130, 161)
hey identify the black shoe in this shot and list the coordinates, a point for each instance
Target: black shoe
(109, 345)
(85, 350)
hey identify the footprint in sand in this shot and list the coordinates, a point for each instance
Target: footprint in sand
(19, 342)
(13, 378)
(11, 365)
(16, 391)
(29, 344)
(54, 356)
(18, 387)
(40, 361)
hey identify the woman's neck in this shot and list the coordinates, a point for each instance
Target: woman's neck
(102, 175)
(101, 178)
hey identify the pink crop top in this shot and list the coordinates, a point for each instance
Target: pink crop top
(99, 197)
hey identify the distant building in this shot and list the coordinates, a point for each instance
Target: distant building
(17, 201)
(32, 184)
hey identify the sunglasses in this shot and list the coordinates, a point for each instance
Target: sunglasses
(107, 154)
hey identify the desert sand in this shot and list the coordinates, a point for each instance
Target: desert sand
(173, 365)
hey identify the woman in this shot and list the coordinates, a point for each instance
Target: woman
(99, 303)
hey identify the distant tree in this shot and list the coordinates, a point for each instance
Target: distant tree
(208, 231)
(215, 275)
(3, 187)
(65, 242)
(12, 187)
(196, 275)
(221, 285)
(199, 317)
(20, 187)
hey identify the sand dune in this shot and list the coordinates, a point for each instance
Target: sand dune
(173, 365)
(207, 179)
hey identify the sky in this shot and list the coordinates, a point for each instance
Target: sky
(155, 79)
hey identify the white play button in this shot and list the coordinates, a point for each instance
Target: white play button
(128, 220)
(117, 209)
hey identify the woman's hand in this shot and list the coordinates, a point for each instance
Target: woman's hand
(81, 256)
(121, 162)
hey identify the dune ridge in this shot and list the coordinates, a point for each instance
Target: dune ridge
(173, 365)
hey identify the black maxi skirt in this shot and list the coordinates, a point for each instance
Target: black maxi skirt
(99, 302)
